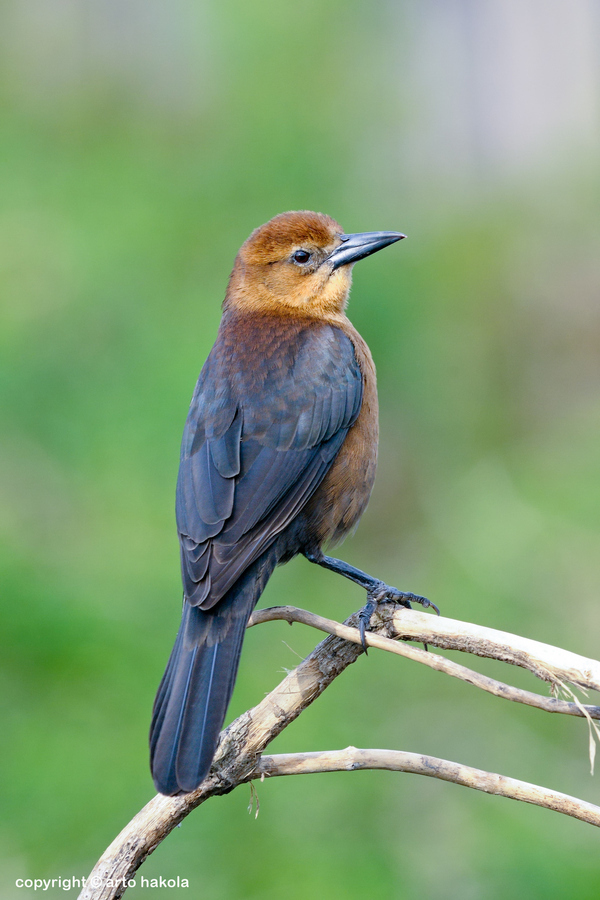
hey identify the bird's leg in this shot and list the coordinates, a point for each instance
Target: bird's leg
(377, 591)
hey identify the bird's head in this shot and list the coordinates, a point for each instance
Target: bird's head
(300, 263)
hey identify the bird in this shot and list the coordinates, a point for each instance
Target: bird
(278, 458)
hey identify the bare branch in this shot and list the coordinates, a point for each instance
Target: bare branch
(549, 663)
(440, 663)
(351, 759)
(238, 758)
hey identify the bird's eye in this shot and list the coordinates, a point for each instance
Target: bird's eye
(301, 256)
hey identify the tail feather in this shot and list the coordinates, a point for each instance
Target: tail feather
(195, 690)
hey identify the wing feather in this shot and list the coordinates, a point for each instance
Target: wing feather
(225, 450)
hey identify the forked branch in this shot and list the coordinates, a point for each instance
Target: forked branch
(239, 756)
(549, 663)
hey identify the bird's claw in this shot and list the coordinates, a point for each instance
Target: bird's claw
(423, 601)
(364, 619)
(379, 594)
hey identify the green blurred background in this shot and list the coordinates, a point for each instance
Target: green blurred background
(141, 142)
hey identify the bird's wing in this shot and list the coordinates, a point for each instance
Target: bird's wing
(260, 436)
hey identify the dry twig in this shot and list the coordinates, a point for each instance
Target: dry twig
(351, 759)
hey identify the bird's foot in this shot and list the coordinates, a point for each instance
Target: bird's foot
(381, 593)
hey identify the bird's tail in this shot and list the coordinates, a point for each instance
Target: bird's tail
(195, 690)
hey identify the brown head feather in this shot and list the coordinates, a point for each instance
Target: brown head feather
(289, 229)
(266, 277)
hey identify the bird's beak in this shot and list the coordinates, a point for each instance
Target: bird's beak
(357, 246)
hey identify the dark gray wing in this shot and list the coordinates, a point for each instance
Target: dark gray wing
(261, 434)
